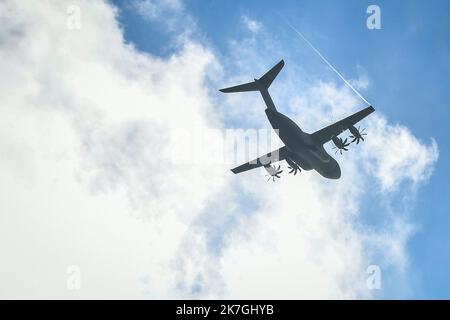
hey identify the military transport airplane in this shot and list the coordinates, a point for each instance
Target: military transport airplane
(301, 149)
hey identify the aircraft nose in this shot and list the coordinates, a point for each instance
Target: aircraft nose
(337, 173)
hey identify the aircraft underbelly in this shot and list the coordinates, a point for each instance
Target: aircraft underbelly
(318, 160)
(309, 156)
(286, 129)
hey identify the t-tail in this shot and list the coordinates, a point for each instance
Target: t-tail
(262, 85)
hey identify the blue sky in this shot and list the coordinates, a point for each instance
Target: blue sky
(105, 174)
(407, 61)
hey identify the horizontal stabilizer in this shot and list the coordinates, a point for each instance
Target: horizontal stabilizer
(251, 86)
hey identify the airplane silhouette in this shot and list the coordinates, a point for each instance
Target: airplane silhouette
(301, 149)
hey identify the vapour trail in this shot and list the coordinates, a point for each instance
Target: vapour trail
(326, 61)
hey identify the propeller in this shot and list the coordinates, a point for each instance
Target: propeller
(294, 169)
(357, 134)
(293, 166)
(273, 172)
(340, 144)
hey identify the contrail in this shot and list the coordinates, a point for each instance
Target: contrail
(326, 61)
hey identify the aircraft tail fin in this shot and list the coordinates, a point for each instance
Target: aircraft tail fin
(261, 84)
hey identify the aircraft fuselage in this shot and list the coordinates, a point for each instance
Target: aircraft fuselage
(304, 151)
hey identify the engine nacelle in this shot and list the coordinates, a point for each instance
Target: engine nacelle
(340, 145)
(354, 131)
(357, 135)
(338, 142)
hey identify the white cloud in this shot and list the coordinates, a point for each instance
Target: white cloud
(87, 124)
(396, 156)
(87, 136)
(156, 9)
(252, 25)
(168, 16)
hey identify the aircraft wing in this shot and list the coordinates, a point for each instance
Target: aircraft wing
(324, 135)
(267, 159)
